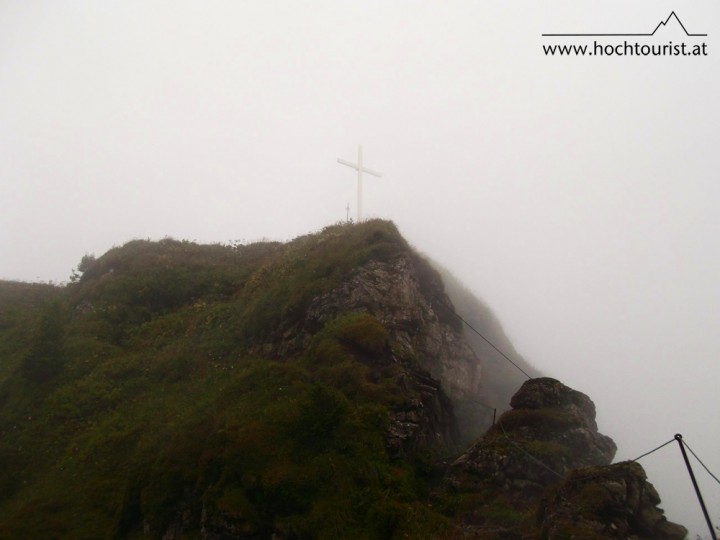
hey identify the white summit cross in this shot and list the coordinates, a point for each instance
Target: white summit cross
(360, 169)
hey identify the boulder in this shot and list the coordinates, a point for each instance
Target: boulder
(550, 430)
(613, 501)
(547, 393)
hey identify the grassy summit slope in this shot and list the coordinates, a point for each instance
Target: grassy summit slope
(149, 411)
(140, 401)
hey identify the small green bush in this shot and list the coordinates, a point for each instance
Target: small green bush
(362, 332)
(319, 415)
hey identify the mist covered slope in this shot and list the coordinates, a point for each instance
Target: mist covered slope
(489, 343)
(303, 390)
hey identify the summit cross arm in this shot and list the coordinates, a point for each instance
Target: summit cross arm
(360, 170)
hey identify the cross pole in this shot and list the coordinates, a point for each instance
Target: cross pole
(360, 169)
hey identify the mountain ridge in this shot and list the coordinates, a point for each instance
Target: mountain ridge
(320, 388)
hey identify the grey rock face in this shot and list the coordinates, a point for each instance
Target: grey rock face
(547, 393)
(426, 422)
(614, 501)
(546, 455)
(550, 431)
(407, 296)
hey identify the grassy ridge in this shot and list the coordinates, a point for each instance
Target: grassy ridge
(129, 400)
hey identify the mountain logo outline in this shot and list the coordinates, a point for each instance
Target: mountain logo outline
(659, 25)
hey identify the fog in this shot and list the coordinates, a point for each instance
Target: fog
(578, 196)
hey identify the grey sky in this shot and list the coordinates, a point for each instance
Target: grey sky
(578, 196)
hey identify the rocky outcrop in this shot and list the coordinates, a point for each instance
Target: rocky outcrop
(547, 393)
(543, 471)
(614, 501)
(406, 295)
(550, 430)
(426, 422)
